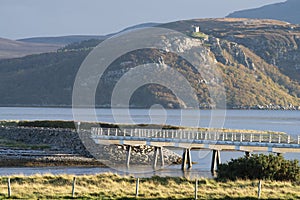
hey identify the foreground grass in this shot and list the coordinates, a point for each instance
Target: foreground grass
(109, 186)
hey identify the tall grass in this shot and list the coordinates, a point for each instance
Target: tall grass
(110, 186)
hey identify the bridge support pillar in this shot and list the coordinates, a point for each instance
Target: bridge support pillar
(158, 150)
(247, 154)
(279, 154)
(186, 159)
(216, 160)
(128, 156)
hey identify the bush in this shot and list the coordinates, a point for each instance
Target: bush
(268, 167)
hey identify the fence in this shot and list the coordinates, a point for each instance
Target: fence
(197, 135)
(138, 182)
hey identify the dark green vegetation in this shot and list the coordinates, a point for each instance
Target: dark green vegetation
(266, 167)
(13, 144)
(286, 11)
(258, 60)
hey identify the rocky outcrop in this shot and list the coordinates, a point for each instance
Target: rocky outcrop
(139, 155)
(69, 147)
(223, 49)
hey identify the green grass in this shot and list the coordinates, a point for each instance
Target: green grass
(110, 186)
(199, 35)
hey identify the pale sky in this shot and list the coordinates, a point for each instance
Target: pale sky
(33, 18)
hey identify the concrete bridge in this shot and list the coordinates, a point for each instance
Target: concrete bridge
(188, 140)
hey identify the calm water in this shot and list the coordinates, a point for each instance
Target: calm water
(285, 121)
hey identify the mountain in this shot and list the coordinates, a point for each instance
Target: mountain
(62, 40)
(36, 45)
(65, 40)
(287, 11)
(13, 49)
(258, 60)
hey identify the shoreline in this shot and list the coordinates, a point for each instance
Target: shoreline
(257, 108)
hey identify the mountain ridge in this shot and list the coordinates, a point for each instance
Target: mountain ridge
(285, 11)
(13, 49)
(35, 45)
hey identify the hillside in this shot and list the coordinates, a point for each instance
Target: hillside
(287, 11)
(36, 45)
(62, 40)
(13, 49)
(255, 75)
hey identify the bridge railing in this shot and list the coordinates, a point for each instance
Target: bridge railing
(196, 135)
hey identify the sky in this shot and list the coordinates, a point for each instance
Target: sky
(37, 18)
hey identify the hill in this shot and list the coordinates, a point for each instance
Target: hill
(287, 11)
(65, 40)
(13, 49)
(62, 40)
(36, 45)
(255, 75)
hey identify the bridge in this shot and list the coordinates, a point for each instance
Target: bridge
(188, 140)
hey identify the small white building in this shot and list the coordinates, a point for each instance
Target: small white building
(196, 29)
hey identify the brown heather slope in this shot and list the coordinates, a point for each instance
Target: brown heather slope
(15, 49)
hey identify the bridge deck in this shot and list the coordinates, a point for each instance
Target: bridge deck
(224, 141)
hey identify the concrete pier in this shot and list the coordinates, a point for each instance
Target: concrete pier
(216, 160)
(158, 151)
(186, 159)
(128, 156)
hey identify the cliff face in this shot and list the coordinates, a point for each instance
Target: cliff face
(257, 59)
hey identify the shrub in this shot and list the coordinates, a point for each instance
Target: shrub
(268, 167)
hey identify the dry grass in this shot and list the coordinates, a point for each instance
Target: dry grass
(109, 186)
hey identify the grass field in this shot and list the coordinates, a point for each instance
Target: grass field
(109, 186)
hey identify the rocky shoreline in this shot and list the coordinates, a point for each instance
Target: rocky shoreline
(66, 147)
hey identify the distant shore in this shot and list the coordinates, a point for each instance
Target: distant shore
(256, 107)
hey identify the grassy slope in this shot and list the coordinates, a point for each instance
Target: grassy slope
(108, 186)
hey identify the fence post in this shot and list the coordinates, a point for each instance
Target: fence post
(8, 187)
(196, 189)
(137, 187)
(259, 189)
(73, 187)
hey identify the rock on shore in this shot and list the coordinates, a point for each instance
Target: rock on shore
(67, 147)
